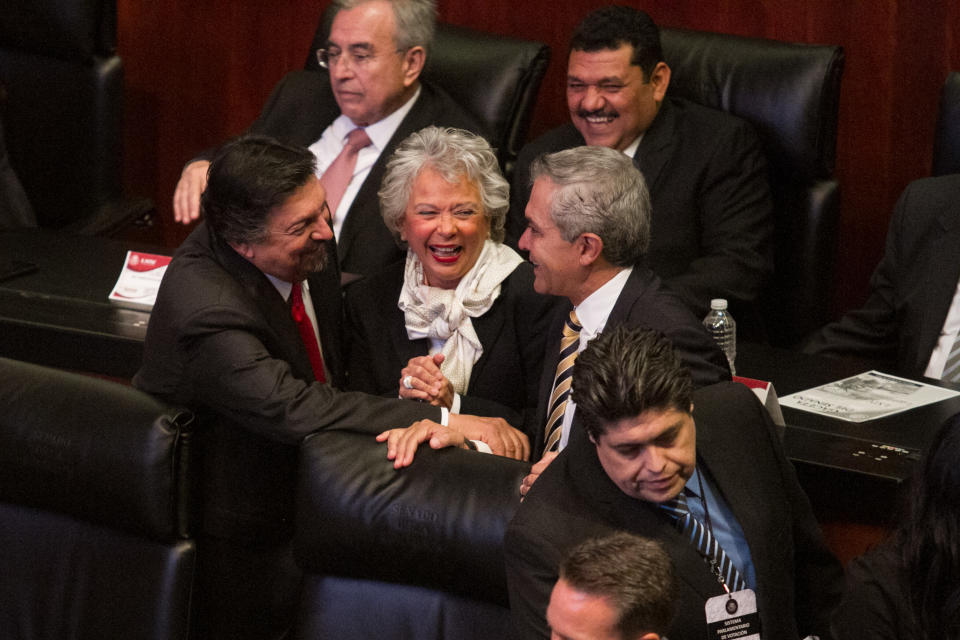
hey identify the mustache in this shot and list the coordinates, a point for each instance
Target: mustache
(596, 113)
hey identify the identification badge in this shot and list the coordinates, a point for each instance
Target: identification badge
(733, 616)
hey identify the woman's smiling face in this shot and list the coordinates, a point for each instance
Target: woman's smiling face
(446, 226)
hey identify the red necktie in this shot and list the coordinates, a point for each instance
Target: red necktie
(337, 176)
(299, 313)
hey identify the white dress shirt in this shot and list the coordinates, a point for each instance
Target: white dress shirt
(948, 335)
(334, 138)
(592, 314)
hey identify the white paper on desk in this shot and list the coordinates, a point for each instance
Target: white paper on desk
(866, 396)
(139, 280)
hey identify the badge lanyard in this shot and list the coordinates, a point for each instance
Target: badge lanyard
(714, 569)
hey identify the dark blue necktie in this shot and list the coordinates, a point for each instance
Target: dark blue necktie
(703, 541)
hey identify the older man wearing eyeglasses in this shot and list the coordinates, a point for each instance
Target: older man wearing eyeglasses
(353, 119)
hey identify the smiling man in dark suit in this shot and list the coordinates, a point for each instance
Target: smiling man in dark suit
(676, 465)
(712, 225)
(910, 322)
(375, 54)
(246, 332)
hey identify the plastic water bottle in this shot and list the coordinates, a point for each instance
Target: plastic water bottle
(721, 326)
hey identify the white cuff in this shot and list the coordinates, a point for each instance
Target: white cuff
(482, 446)
(455, 405)
(444, 416)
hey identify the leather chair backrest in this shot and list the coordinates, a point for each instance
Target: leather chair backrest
(63, 110)
(434, 529)
(496, 78)
(95, 514)
(790, 93)
(946, 137)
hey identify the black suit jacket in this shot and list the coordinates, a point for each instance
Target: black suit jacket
(504, 380)
(221, 341)
(298, 111)
(912, 287)
(798, 580)
(642, 303)
(712, 227)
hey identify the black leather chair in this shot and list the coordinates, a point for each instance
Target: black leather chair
(946, 137)
(496, 78)
(416, 553)
(63, 110)
(791, 94)
(94, 510)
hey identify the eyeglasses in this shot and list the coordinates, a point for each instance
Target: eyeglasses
(330, 56)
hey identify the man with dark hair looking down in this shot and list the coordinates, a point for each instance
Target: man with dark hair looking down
(701, 472)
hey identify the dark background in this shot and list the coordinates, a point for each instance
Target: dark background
(198, 71)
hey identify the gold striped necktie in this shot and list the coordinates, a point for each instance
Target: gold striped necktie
(569, 347)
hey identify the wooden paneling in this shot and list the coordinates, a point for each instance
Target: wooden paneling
(198, 72)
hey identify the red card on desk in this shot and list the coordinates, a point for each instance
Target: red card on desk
(139, 280)
(767, 394)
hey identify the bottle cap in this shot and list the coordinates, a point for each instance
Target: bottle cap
(718, 303)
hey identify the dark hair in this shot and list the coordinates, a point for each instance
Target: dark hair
(247, 178)
(624, 372)
(614, 26)
(634, 573)
(929, 537)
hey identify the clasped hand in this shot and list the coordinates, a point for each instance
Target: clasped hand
(427, 382)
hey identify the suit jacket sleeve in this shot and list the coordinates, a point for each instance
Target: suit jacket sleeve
(873, 331)
(818, 577)
(736, 224)
(240, 379)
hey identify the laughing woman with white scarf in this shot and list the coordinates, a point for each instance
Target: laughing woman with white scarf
(457, 323)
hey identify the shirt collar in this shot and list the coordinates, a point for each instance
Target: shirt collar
(379, 132)
(595, 309)
(282, 286)
(631, 150)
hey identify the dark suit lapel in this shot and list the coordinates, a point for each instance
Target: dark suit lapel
(635, 288)
(488, 328)
(327, 307)
(402, 344)
(270, 303)
(945, 272)
(365, 209)
(656, 146)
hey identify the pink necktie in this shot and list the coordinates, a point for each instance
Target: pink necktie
(337, 176)
(299, 313)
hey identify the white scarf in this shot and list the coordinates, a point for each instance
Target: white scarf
(444, 314)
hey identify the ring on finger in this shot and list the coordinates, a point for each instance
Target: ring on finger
(408, 382)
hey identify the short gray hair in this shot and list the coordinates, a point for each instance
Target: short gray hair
(415, 20)
(599, 191)
(454, 154)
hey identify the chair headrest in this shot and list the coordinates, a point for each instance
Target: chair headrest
(92, 449)
(70, 29)
(438, 523)
(788, 92)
